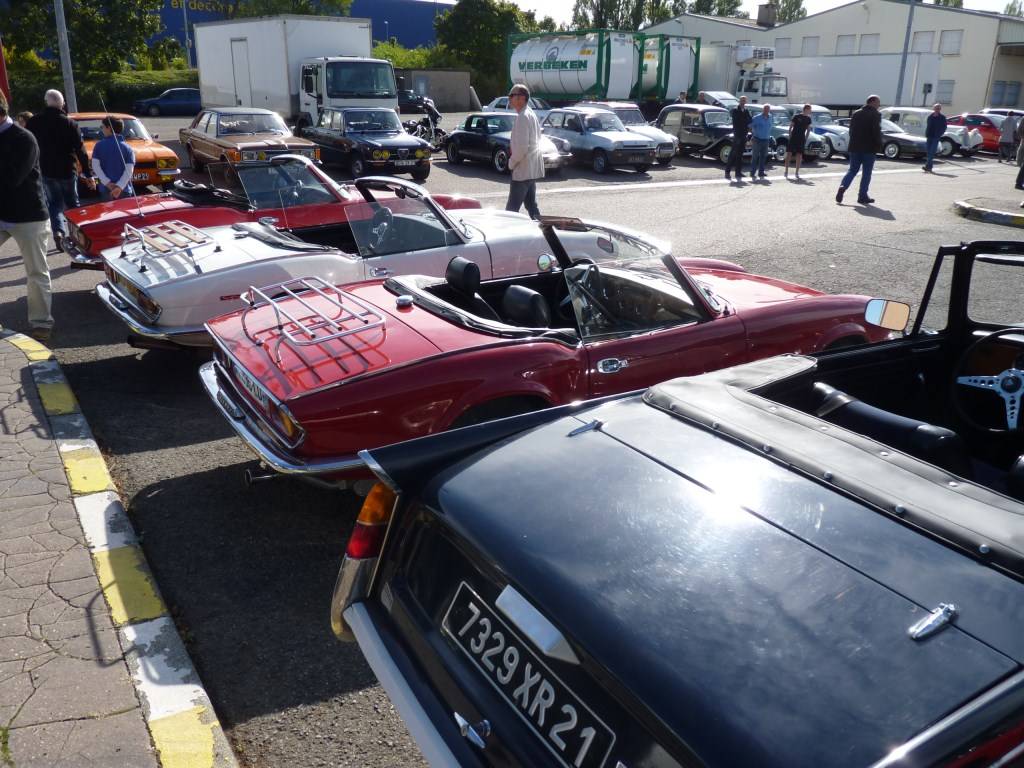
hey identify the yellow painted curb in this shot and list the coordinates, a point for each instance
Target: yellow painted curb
(33, 350)
(57, 397)
(86, 471)
(184, 740)
(128, 585)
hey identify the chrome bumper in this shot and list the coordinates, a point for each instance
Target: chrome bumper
(80, 260)
(556, 161)
(352, 585)
(236, 412)
(139, 325)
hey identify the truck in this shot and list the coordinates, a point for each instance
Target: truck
(603, 65)
(293, 65)
(837, 82)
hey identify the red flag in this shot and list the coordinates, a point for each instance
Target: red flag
(4, 85)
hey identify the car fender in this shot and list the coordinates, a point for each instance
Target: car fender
(842, 331)
(485, 395)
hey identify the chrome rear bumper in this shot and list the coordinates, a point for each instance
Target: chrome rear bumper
(138, 325)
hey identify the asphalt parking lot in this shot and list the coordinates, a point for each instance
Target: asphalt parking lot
(248, 572)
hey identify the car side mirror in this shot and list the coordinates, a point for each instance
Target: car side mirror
(891, 315)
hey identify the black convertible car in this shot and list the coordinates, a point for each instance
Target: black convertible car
(369, 141)
(803, 561)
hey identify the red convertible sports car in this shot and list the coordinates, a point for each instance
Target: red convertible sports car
(310, 375)
(296, 195)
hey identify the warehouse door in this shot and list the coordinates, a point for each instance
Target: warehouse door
(240, 67)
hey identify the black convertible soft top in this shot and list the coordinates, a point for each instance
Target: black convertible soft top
(984, 524)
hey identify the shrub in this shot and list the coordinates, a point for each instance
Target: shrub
(116, 91)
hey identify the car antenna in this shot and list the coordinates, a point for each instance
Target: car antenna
(124, 165)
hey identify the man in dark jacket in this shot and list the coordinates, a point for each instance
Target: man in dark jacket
(865, 143)
(23, 215)
(932, 133)
(740, 128)
(60, 146)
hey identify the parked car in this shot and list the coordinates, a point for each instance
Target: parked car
(633, 119)
(913, 120)
(597, 137)
(173, 101)
(500, 104)
(369, 141)
(410, 102)
(814, 146)
(238, 134)
(295, 194)
(1002, 111)
(702, 130)
(155, 164)
(988, 125)
(722, 99)
(749, 567)
(834, 133)
(486, 137)
(168, 279)
(610, 311)
(897, 143)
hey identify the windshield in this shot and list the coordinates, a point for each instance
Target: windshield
(774, 86)
(388, 225)
(278, 185)
(364, 120)
(997, 120)
(821, 117)
(631, 116)
(536, 103)
(360, 79)
(241, 124)
(500, 123)
(888, 126)
(604, 121)
(717, 118)
(92, 129)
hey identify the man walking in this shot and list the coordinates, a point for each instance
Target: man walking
(23, 216)
(113, 161)
(60, 146)
(932, 133)
(1007, 134)
(761, 129)
(740, 128)
(526, 159)
(865, 143)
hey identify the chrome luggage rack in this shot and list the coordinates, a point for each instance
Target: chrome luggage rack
(164, 238)
(314, 327)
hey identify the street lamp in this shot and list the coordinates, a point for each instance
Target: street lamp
(387, 32)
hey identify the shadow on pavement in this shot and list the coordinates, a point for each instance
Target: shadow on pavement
(875, 212)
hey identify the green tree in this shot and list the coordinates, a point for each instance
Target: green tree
(730, 8)
(950, 3)
(416, 58)
(792, 10)
(623, 14)
(240, 8)
(1014, 8)
(103, 34)
(476, 31)
(704, 7)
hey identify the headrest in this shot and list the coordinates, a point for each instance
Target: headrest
(524, 306)
(463, 275)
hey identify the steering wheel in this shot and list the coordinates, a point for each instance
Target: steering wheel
(1008, 384)
(381, 224)
(589, 285)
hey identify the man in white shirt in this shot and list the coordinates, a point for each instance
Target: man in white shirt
(526, 159)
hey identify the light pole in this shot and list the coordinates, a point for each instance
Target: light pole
(903, 59)
(188, 43)
(387, 32)
(65, 57)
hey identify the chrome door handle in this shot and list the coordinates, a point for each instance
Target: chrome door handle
(475, 734)
(381, 272)
(612, 365)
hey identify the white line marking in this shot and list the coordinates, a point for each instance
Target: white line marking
(104, 521)
(161, 668)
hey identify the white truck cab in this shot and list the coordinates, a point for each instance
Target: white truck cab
(344, 81)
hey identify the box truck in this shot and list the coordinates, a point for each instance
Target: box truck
(293, 65)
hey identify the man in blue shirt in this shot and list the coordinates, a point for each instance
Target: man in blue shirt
(113, 161)
(761, 128)
(932, 133)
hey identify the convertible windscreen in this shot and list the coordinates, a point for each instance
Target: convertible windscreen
(397, 225)
(996, 286)
(281, 185)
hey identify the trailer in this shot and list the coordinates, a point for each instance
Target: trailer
(293, 65)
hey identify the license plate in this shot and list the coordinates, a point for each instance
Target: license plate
(405, 162)
(566, 726)
(140, 176)
(637, 158)
(251, 387)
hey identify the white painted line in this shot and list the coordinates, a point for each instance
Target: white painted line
(162, 671)
(104, 521)
(65, 445)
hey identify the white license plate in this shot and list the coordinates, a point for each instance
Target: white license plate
(250, 386)
(638, 158)
(140, 176)
(405, 162)
(557, 716)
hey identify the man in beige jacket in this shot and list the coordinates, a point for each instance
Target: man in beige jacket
(526, 159)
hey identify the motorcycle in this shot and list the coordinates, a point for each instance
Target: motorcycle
(426, 127)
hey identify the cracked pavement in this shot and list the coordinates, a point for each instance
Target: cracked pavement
(66, 698)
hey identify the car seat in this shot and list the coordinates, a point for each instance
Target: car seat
(524, 306)
(463, 277)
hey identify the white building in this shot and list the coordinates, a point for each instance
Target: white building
(982, 53)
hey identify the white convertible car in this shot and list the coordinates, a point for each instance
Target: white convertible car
(169, 278)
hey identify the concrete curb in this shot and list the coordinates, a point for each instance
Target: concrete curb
(180, 717)
(988, 215)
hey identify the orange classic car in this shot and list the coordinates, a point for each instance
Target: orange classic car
(154, 163)
(238, 134)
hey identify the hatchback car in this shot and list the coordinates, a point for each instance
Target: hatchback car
(369, 141)
(633, 119)
(598, 137)
(237, 134)
(155, 164)
(173, 101)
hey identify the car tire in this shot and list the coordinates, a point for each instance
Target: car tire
(827, 150)
(452, 153)
(357, 166)
(891, 150)
(499, 160)
(664, 161)
(300, 126)
(780, 153)
(967, 152)
(643, 168)
(197, 165)
(946, 148)
(420, 175)
(724, 153)
(153, 111)
(599, 162)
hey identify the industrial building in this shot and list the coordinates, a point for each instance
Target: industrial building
(982, 52)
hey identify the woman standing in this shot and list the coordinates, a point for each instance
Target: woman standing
(798, 128)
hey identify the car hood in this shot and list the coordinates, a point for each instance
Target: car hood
(624, 137)
(744, 290)
(266, 141)
(494, 222)
(655, 134)
(145, 151)
(705, 598)
(388, 140)
(126, 211)
(907, 137)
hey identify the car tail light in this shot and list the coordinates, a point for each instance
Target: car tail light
(284, 421)
(1005, 749)
(147, 304)
(368, 534)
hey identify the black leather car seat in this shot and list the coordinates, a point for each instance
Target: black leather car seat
(463, 277)
(937, 445)
(524, 306)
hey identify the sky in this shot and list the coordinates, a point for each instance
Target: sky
(561, 10)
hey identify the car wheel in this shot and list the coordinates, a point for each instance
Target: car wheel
(357, 166)
(891, 150)
(826, 151)
(421, 175)
(153, 111)
(967, 152)
(599, 162)
(946, 147)
(452, 153)
(300, 126)
(663, 161)
(780, 153)
(194, 161)
(500, 160)
(724, 153)
(642, 168)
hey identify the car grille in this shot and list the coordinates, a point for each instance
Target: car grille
(403, 154)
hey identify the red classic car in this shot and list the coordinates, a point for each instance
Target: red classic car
(296, 194)
(313, 377)
(989, 126)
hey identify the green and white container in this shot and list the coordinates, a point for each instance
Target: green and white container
(668, 66)
(566, 66)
